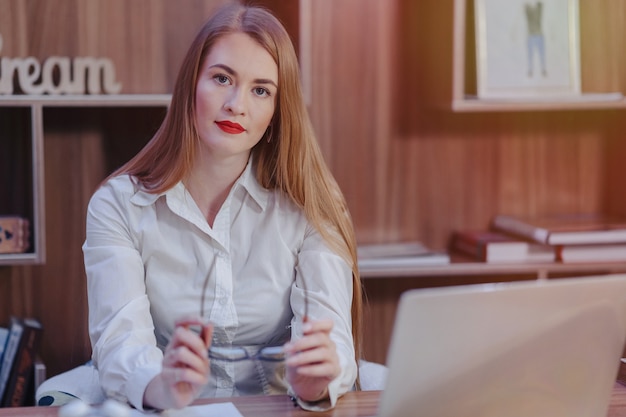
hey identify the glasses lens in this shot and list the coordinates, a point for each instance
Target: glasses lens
(273, 353)
(227, 353)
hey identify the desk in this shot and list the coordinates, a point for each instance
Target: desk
(353, 404)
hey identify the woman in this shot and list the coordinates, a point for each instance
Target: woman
(226, 233)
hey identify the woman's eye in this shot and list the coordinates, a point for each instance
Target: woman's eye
(261, 92)
(221, 79)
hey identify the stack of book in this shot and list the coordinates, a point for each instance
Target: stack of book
(495, 247)
(398, 254)
(562, 238)
(20, 343)
(575, 238)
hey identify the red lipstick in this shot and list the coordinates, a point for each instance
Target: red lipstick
(230, 127)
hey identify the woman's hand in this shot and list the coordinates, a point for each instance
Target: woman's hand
(185, 367)
(312, 361)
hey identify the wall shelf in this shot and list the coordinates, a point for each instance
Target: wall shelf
(114, 100)
(27, 118)
(465, 268)
(596, 55)
(600, 101)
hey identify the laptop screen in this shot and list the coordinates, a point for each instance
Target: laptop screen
(530, 348)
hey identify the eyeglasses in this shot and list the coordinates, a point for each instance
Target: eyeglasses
(268, 353)
(236, 354)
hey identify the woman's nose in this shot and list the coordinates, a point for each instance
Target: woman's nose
(235, 103)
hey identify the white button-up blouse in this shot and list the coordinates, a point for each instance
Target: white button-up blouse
(151, 259)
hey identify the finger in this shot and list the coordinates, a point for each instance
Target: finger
(318, 362)
(179, 376)
(207, 334)
(188, 338)
(183, 357)
(170, 357)
(312, 356)
(190, 320)
(319, 370)
(310, 342)
(316, 333)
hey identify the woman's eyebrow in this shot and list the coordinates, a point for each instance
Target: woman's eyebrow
(226, 68)
(232, 72)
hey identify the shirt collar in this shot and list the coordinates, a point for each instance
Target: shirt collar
(247, 181)
(143, 197)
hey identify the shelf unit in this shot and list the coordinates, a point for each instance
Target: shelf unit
(597, 94)
(515, 156)
(598, 25)
(463, 268)
(25, 118)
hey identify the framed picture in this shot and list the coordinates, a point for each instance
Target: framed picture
(527, 48)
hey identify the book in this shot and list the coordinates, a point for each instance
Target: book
(399, 254)
(381, 250)
(493, 247)
(4, 336)
(39, 375)
(14, 234)
(10, 352)
(20, 378)
(576, 229)
(591, 253)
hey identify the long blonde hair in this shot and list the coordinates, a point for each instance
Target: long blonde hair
(290, 160)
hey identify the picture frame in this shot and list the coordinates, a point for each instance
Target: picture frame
(527, 49)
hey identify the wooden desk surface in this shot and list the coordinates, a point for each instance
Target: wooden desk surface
(353, 404)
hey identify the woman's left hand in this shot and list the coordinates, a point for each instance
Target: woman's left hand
(185, 366)
(312, 361)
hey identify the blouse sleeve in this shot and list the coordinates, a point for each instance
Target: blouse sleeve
(328, 281)
(120, 325)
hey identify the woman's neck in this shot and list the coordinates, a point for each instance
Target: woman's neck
(210, 182)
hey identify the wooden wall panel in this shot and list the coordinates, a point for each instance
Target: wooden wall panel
(415, 170)
(351, 100)
(145, 39)
(603, 59)
(411, 170)
(378, 73)
(614, 183)
(73, 162)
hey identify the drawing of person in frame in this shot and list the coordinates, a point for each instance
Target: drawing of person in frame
(527, 48)
(535, 40)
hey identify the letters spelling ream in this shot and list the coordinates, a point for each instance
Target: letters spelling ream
(58, 75)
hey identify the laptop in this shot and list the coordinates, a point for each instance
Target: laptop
(530, 348)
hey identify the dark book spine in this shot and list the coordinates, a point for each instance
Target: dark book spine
(470, 245)
(22, 373)
(10, 353)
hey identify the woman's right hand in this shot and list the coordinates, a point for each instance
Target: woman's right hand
(185, 369)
